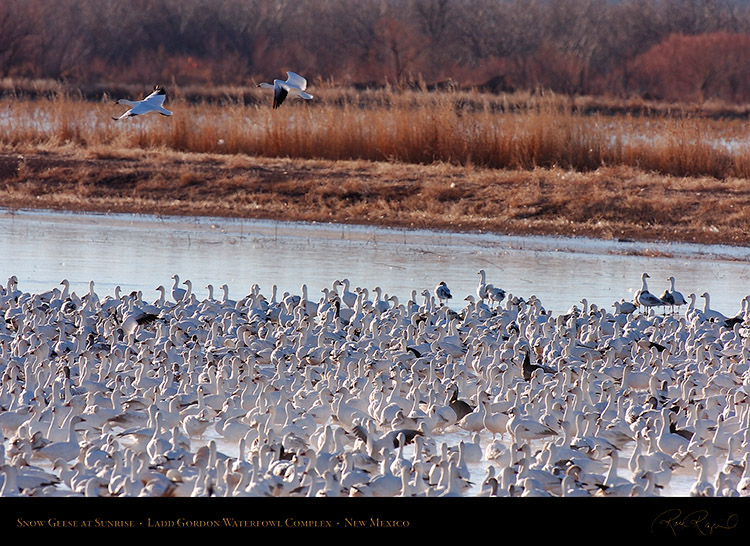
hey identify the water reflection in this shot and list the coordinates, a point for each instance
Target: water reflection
(139, 253)
(142, 252)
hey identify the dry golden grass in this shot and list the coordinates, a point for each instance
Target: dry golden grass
(608, 202)
(519, 164)
(523, 131)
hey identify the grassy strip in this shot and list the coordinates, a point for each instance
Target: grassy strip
(521, 163)
(467, 129)
(606, 202)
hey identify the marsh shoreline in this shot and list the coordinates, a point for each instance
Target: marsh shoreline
(610, 203)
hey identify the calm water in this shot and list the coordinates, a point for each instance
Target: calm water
(143, 252)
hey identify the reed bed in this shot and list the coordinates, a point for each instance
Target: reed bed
(417, 127)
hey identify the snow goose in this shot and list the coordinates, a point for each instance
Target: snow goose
(195, 425)
(66, 450)
(672, 297)
(177, 293)
(385, 484)
(543, 479)
(439, 418)
(734, 466)
(351, 475)
(498, 452)
(33, 480)
(451, 483)
(743, 485)
(152, 103)
(635, 378)
(232, 428)
(586, 441)
(490, 484)
(386, 442)
(495, 421)
(295, 85)
(472, 450)
(526, 428)
(644, 297)
(400, 420)
(399, 461)
(613, 484)
(623, 307)
(474, 420)
(482, 287)
(711, 314)
(9, 487)
(12, 293)
(55, 294)
(136, 317)
(669, 443)
(702, 486)
(570, 487)
(347, 296)
(331, 486)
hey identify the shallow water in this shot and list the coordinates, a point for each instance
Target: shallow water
(141, 252)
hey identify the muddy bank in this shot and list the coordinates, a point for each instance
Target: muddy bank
(609, 203)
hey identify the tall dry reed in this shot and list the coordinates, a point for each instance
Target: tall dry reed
(461, 128)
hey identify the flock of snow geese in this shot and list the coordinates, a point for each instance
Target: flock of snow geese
(348, 395)
(356, 393)
(344, 395)
(294, 86)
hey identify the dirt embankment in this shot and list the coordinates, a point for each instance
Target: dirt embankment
(610, 203)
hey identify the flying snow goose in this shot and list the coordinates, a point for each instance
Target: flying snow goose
(294, 85)
(137, 317)
(152, 103)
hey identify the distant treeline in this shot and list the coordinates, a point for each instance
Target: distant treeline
(674, 50)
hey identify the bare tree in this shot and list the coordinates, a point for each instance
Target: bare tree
(573, 46)
(16, 31)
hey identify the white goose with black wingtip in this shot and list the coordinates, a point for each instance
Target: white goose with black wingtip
(152, 103)
(295, 86)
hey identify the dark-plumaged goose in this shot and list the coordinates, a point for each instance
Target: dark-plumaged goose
(389, 440)
(461, 407)
(687, 434)
(529, 368)
(672, 297)
(137, 317)
(442, 292)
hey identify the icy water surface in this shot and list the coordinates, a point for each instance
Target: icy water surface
(143, 252)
